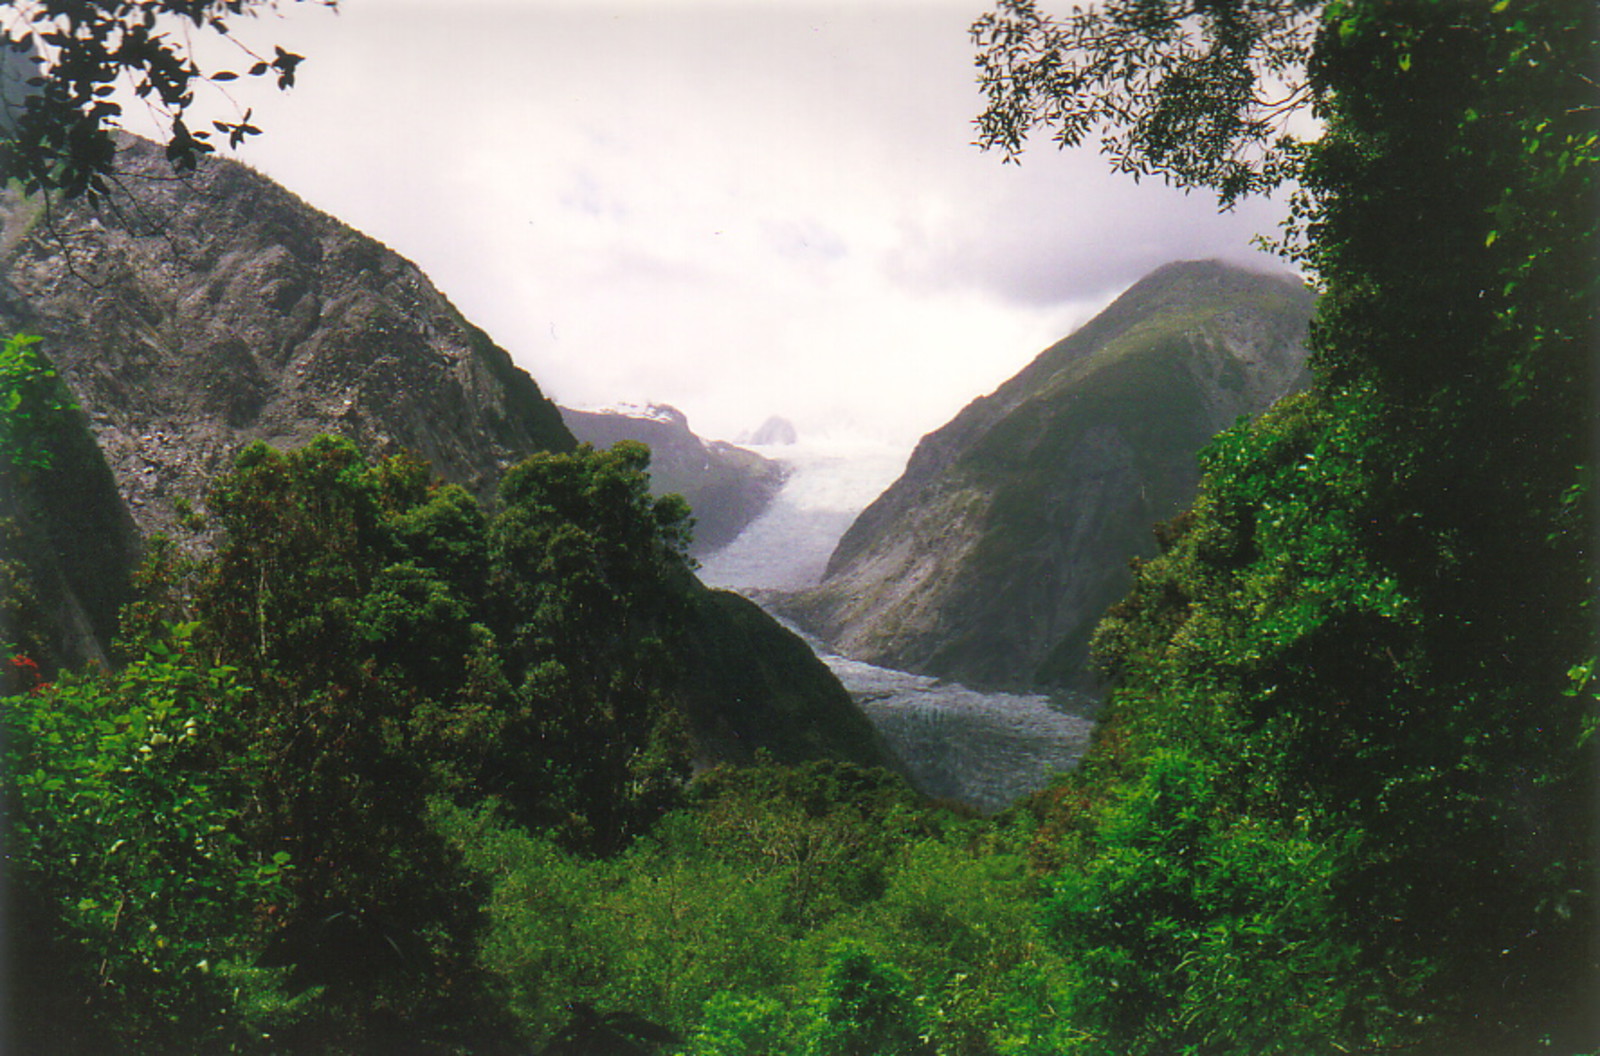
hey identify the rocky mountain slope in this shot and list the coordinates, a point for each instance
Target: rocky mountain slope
(727, 486)
(191, 316)
(990, 560)
(194, 315)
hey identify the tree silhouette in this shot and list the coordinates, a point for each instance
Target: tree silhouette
(65, 59)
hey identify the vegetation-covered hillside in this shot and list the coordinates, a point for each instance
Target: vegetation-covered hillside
(393, 773)
(1344, 795)
(991, 558)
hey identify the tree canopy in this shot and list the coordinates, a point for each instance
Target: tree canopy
(65, 61)
(1199, 92)
(1346, 780)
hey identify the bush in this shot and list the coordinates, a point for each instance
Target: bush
(139, 902)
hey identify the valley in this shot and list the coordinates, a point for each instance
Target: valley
(983, 750)
(1223, 681)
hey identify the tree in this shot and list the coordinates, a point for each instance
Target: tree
(322, 596)
(34, 405)
(1199, 92)
(590, 585)
(64, 60)
(1374, 632)
(134, 896)
(865, 1008)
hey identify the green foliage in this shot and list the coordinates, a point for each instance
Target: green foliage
(523, 657)
(864, 1008)
(962, 920)
(1194, 930)
(23, 627)
(33, 404)
(1332, 645)
(736, 1025)
(1197, 93)
(589, 581)
(722, 897)
(59, 126)
(136, 892)
(725, 922)
(404, 644)
(1346, 784)
(830, 830)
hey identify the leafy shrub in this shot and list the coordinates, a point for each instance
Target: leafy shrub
(138, 897)
(33, 404)
(864, 1008)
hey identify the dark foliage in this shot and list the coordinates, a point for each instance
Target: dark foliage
(1350, 764)
(66, 59)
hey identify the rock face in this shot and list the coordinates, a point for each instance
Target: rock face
(775, 431)
(190, 317)
(727, 486)
(990, 560)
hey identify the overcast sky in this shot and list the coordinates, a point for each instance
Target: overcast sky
(741, 209)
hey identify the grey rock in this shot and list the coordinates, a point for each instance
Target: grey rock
(993, 556)
(775, 431)
(191, 316)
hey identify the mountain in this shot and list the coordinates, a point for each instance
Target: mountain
(190, 316)
(775, 431)
(727, 486)
(991, 558)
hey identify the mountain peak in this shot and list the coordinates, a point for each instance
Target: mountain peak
(775, 431)
(990, 560)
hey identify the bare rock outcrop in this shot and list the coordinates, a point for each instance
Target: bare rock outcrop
(191, 315)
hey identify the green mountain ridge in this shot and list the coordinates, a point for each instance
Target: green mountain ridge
(1009, 533)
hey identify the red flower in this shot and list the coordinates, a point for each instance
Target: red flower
(26, 669)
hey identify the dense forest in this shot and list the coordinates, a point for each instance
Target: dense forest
(383, 768)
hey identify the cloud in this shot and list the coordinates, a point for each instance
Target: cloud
(1063, 229)
(741, 210)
